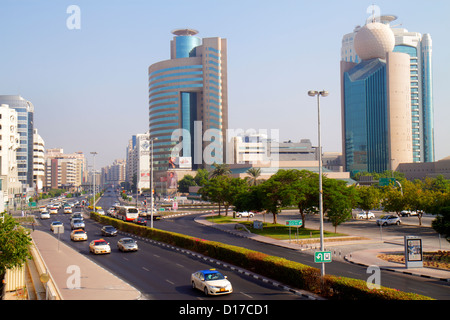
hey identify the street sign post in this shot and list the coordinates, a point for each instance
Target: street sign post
(293, 223)
(322, 256)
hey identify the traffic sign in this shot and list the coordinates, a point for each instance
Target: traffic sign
(294, 223)
(322, 256)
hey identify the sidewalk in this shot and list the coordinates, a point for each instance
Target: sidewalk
(96, 283)
(366, 257)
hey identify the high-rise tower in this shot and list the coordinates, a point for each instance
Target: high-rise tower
(419, 49)
(376, 108)
(188, 101)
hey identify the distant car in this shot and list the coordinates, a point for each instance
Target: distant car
(99, 246)
(141, 221)
(67, 209)
(76, 215)
(407, 213)
(55, 224)
(78, 235)
(211, 282)
(45, 215)
(244, 214)
(389, 219)
(53, 210)
(109, 231)
(127, 244)
(77, 224)
(365, 215)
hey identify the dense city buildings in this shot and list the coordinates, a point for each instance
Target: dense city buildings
(64, 171)
(38, 162)
(376, 103)
(419, 49)
(188, 102)
(10, 186)
(25, 126)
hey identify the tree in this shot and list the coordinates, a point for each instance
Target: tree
(254, 174)
(215, 190)
(278, 191)
(235, 187)
(306, 193)
(201, 178)
(368, 198)
(14, 244)
(220, 170)
(442, 223)
(392, 200)
(185, 183)
(338, 201)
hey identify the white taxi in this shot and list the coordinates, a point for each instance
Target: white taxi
(78, 235)
(211, 282)
(99, 246)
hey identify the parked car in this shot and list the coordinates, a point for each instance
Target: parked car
(365, 215)
(99, 246)
(407, 213)
(127, 244)
(211, 282)
(109, 231)
(388, 219)
(244, 214)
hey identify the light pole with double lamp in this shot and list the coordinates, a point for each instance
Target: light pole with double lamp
(322, 93)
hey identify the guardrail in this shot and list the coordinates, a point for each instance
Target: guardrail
(42, 277)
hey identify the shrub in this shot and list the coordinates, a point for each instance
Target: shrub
(280, 269)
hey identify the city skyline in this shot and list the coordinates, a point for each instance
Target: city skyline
(89, 86)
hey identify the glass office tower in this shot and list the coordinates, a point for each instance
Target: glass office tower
(376, 109)
(188, 100)
(25, 127)
(419, 49)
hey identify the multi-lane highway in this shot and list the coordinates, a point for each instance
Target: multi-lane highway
(163, 273)
(160, 272)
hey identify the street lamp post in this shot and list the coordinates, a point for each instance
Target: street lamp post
(322, 93)
(93, 178)
(151, 178)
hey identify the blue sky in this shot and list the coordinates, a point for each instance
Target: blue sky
(89, 86)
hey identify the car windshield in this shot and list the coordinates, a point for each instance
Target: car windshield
(79, 232)
(128, 241)
(100, 243)
(110, 228)
(214, 276)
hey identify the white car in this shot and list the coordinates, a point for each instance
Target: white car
(365, 215)
(407, 213)
(211, 282)
(53, 210)
(77, 224)
(244, 214)
(99, 246)
(45, 215)
(67, 209)
(56, 224)
(78, 235)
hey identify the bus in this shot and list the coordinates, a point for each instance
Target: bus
(126, 213)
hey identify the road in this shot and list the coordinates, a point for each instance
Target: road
(339, 267)
(160, 272)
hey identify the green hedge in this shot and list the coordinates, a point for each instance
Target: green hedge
(285, 271)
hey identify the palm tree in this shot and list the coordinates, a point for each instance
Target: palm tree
(220, 170)
(254, 174)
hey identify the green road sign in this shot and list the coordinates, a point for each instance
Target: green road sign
(322, 256)
(294, 223)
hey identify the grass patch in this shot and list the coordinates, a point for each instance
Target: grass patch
(276, 231)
